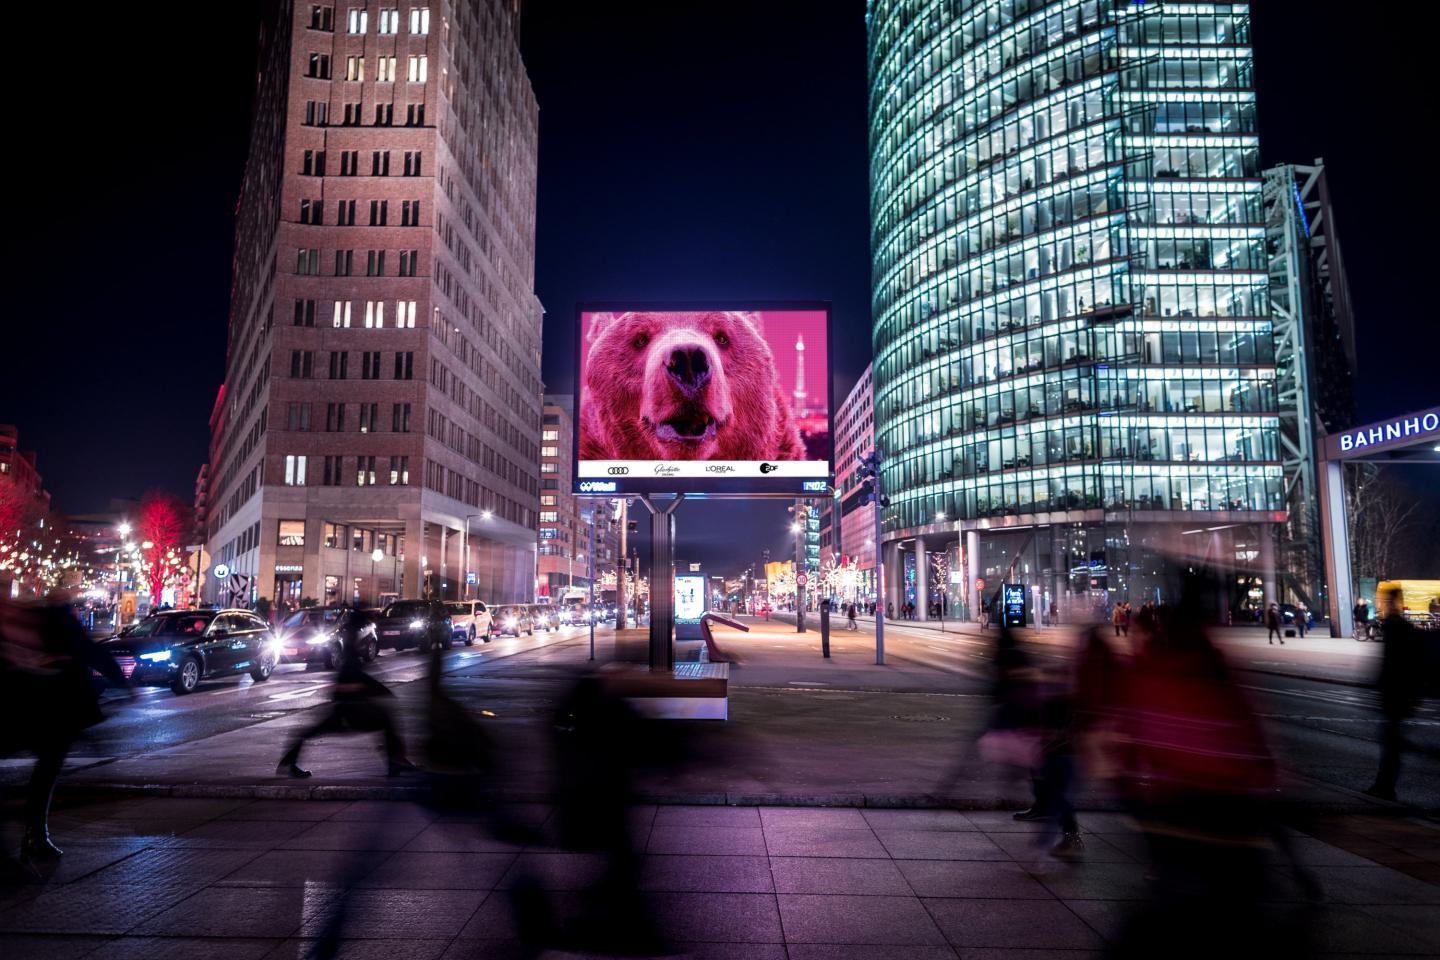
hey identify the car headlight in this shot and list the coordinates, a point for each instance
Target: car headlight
(417, 624)
(511, 623)
(157, 657)
(318, 639)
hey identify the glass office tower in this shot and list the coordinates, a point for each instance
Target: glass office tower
(1074, 365)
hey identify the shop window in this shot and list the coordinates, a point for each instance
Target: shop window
(292, 533)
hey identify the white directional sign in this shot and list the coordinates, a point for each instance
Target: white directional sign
(220, 571)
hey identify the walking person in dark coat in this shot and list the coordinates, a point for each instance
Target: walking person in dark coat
(1402, 669)
(358, 704)
(1272, 625)
(47, 697)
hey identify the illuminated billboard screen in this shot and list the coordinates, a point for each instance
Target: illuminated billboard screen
(703, 399)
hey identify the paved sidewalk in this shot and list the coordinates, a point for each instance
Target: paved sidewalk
(235, 880)
(1316, 656)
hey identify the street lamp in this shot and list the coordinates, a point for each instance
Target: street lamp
(465, 548)
(376, 556)
(124, 530)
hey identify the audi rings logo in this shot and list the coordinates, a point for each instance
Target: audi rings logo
(768, 468)
(618, 471)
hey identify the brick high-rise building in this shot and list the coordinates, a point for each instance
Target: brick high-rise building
(376, 434)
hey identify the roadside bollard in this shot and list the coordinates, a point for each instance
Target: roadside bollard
(825, 628)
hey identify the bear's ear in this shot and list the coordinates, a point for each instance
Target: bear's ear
(755, 320)
(600, 322)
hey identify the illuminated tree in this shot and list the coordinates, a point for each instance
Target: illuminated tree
(161, 529)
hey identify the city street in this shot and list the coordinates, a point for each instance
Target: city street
(801, 728)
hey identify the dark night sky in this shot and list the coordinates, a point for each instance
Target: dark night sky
(687, 151)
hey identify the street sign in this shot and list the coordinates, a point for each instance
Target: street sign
(802, 579)
(220, 571)
(470, 577)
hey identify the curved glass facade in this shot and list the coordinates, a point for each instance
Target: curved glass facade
(1069, 279)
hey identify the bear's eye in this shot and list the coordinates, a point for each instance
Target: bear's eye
(722, 340)
(640, 340)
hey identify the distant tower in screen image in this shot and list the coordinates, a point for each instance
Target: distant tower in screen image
(801, 403)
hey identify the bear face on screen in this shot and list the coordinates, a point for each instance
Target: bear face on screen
(683, 386)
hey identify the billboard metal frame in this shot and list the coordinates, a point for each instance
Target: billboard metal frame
(702, 488)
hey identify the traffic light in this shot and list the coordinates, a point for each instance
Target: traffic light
(870, 486)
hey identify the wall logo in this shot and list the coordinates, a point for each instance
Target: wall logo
(618, 471)
(768, 468)
(598, 486)
(666, 470)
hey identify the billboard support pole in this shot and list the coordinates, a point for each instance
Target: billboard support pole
(662, 585)
(590, 608)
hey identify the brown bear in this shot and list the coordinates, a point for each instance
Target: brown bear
(683, 386)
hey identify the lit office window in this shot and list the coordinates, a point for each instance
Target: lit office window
(356, 21)
(419, 20)
(294, 471)
(419, 68)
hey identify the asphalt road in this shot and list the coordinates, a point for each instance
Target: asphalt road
(791, 711)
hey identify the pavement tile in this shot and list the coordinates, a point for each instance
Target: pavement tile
(1011, 923)
(1002, 821)
(1338, 928)
(93, 908)
(940, 845)
(288, 810)
(856, 920)
(300, 868)
(255, 834)
(832, 818)
(556, 871)
(416, 870)
(403, 914)
(386, 810)
(348, 835)
(495, 919)
(1108, 918)
(869, 877)
(83, 858)
(1318, 853)
(744, 841)
(42, 947)
(179, 808)
(1028, 849)
(918, 820)
(729, 951)
(972, 879)
(1093, 880)
(196, 867)
(226, 912)
(147, 828)
(724, 917)
(1000, 953)
(1373, 885)
(693, 817)
(819, 841)
(300, 949)
(715, 874)
(862, 951)
(1420, 922)
(182, 948)
(457, 838)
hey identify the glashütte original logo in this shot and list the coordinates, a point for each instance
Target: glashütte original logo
(666, 470)
(768, 468)
(719, 468)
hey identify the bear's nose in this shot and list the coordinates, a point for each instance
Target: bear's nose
(688, 366)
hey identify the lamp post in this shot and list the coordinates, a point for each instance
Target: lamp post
(376, 556)
(124, 530)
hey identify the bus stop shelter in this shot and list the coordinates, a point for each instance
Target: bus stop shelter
(1411, 438)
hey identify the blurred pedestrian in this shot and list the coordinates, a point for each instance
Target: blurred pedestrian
(1272, 625)
(1302, 620)
(1402, 676)
(359, 704)
(48, 695)
(1117, 617)
(850, 617)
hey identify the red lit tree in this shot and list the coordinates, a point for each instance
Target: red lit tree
(161, 529)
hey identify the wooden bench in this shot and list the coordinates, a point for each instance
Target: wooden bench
(693, 691)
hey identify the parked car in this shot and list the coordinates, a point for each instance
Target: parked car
(180, 648)
(545, 617)
(415, 623)
(514, 620)
(470, 619)
(316, 635)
